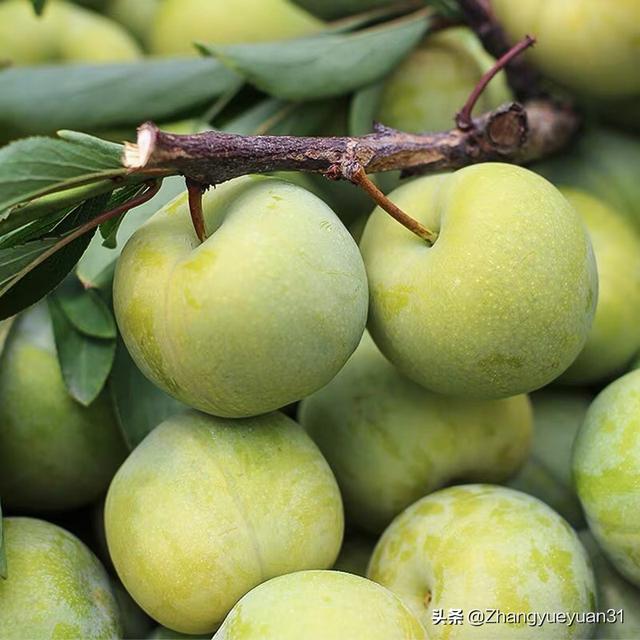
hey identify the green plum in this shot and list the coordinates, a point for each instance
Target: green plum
(615, 594)
(482, 547)
(179, 24)
(429, 87)
(606, 467)
(54, 453)
(604, 163)
(389, 441)
(64, 33)
(235, 501)
(56, 588)
(614, 338)
(501, 303)
(320, 605)
(557, 416)
(264, 312)
(591, 47)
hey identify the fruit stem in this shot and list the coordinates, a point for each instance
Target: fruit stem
(464, 121)
(361, 179)
(195, 191)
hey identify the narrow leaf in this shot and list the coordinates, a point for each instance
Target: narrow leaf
(107, 96)
(364, 107)
(4, 574)
(85, 309)
(326, 65)
(36, 166)
(140, 406)
(28, 272)
(85, 361)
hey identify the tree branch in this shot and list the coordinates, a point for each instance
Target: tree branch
(511, 133)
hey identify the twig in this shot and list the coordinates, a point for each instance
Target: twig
(523, 79)
(463, 118)
(511, 133)
(360, 178)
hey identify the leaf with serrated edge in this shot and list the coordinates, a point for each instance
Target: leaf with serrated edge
(28, 276)
(108, 96)
(33, 167)
(85, 361)
(327, 65)
(140, 406)
(85, 309)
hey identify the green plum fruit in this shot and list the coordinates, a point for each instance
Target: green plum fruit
(331, 9)
(604, 163)
(557, 416)
(236, 501)
(56, 588)
(264, 312)
(615, 595)
(320, 605)
(64, 33)
(482, 547)
(390, 441)
(55, 454)
(355, 554)
(606, 468)
(431, 85)
(615, 336)
(501, 303)
(179, 24)
(592, 47)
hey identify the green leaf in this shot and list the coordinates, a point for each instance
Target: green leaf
(85, 361)
(28, 272)
(140, 406)
(107, 96)
(33, 167)
(85, 309)
(4, 574)
(326, 65)
(38, 6)
(364, 108)
(52, 206)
